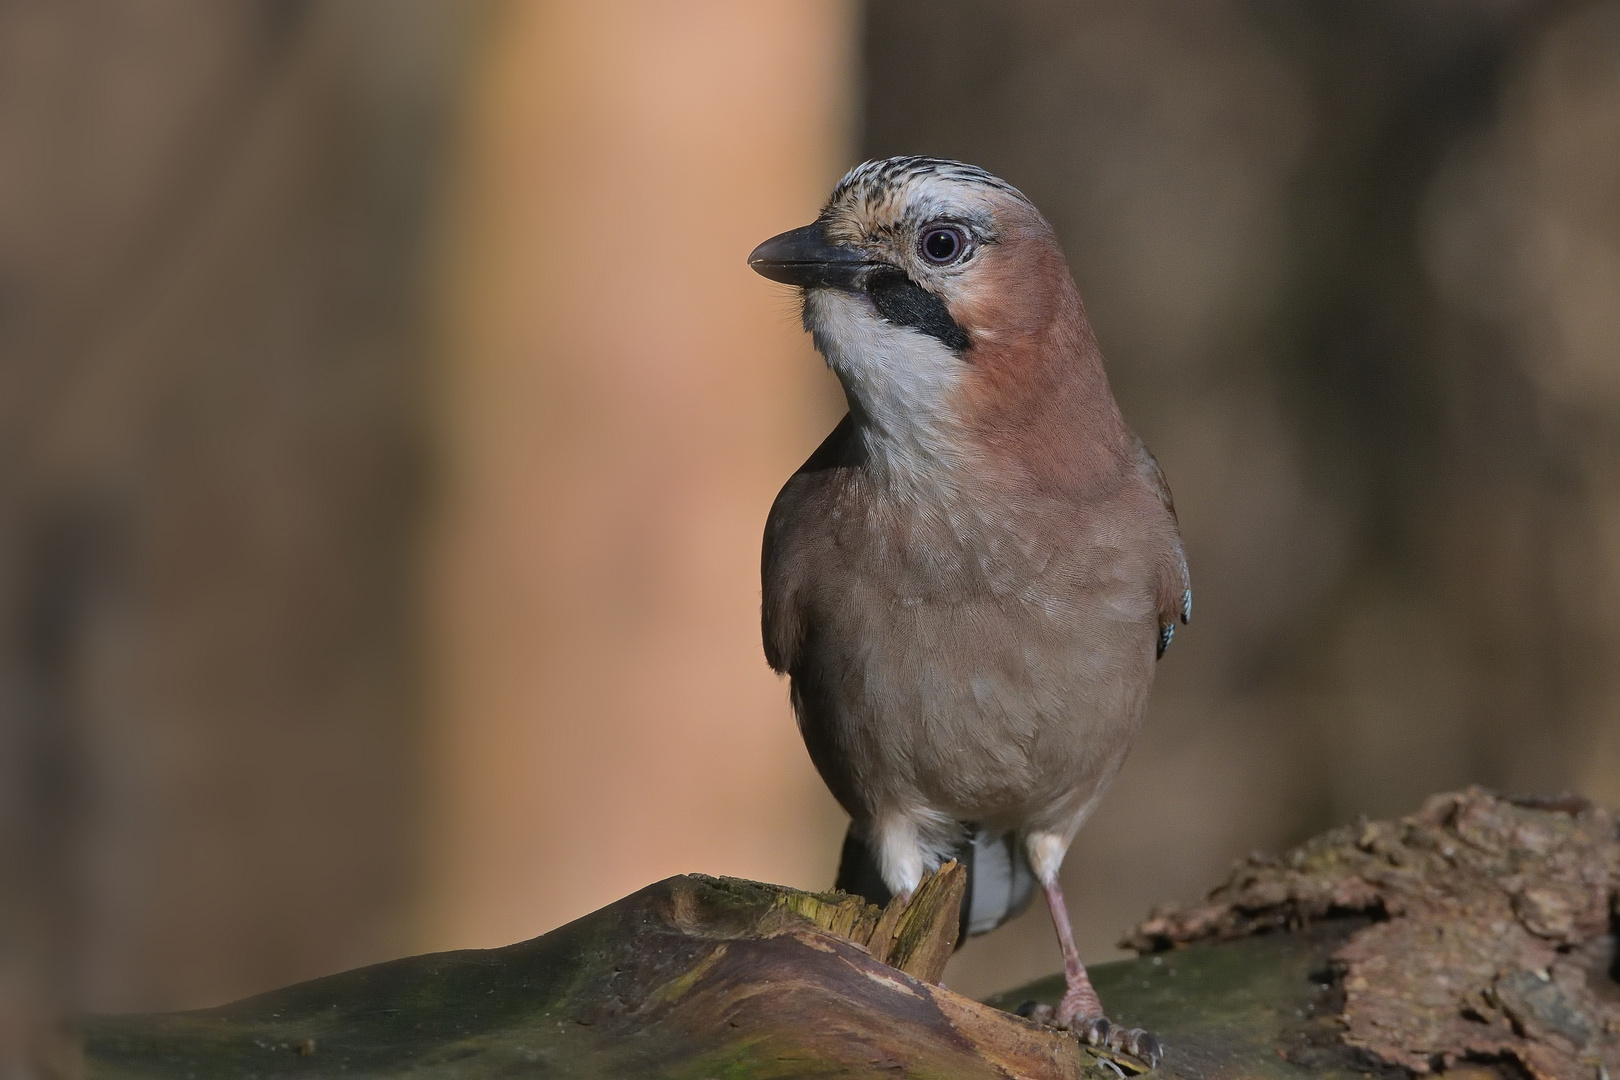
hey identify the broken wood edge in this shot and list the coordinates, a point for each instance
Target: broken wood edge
(915, 937)
(926, 930)
(916, 934)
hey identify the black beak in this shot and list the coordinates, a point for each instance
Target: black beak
(806, 257)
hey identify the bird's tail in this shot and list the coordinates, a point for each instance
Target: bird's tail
(1000, 882)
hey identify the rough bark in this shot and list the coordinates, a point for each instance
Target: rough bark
(1493, 941)
(1474, 937)
(693, 976)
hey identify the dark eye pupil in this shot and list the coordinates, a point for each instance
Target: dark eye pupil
(941, 245)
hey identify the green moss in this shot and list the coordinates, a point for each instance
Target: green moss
(1254, 1008)
(652, 987)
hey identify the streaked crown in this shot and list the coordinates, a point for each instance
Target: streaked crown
(876, 199)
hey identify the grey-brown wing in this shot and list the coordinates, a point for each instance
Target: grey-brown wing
(787, 557)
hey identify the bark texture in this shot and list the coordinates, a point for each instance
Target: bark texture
(1475, 937)
(693, 976)
(1493, 941)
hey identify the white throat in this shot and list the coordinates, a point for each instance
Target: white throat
(902, 386)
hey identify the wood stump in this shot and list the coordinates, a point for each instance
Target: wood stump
(1475, 937)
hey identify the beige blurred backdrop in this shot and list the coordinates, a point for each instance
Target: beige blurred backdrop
(619, 397)
(389, 421)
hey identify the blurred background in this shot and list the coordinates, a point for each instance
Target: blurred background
(388, 420)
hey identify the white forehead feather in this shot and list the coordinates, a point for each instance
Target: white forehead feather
(915, 187)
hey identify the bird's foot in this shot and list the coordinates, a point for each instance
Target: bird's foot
(1097, 1030)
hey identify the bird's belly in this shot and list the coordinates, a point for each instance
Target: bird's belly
(978, 709)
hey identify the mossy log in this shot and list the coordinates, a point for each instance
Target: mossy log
(1278, 974)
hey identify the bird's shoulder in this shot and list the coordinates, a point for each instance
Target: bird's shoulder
(812, 489)
(787, 558)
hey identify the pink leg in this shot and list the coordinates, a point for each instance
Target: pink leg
(1081, 1010)
(1080, 1001)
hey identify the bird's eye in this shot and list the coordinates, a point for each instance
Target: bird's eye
(942, 244)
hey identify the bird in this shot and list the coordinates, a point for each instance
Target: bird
(969, 583)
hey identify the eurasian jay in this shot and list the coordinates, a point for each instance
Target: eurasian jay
(969, 582)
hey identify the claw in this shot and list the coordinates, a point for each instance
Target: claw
(1034, 1010)
(1100, 1032)
(1144, 1045)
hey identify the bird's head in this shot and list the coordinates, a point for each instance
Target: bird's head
(938, 295)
